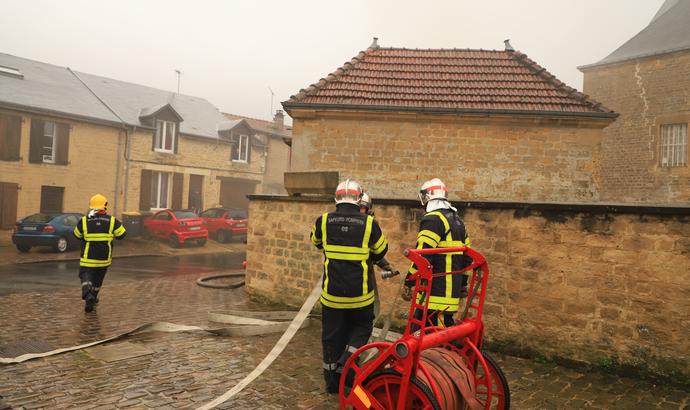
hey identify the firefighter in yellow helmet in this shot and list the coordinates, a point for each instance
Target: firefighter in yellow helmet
(96, 231)
(350, 241)
(441, 227)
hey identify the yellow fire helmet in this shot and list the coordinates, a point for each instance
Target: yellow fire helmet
(98, 201)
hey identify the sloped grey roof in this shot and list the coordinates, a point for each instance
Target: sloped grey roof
(55, 89)
(51, 89)
(668, 31)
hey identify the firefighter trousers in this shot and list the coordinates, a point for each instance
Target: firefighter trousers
(91, 281)
(343, 332)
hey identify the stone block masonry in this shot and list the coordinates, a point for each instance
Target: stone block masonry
(590, 283)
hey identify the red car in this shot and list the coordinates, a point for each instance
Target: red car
(176, 227)
(225, 223)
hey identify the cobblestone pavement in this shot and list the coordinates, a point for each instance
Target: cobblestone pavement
(189, 369)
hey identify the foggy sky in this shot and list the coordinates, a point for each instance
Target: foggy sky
(230, 52)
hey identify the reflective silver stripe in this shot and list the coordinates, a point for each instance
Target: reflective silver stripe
(86, 284)
(351, 349)
(330, 366)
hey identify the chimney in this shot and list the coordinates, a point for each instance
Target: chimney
(375, 44)
(508, 46)
(278, 120)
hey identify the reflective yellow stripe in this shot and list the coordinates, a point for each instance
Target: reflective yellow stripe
(442, 303)
(324, 219)
(431, 234)
(86, 251)
(443, 219)
(346, 256)
(83, 225)
(112, 225)
(379, 245)
(449, 267)
(339, 302)
(94, 263)
(314, 239)
(77, 233)
(119, 231)
(346, 249)
(425, 240)
(365, 246)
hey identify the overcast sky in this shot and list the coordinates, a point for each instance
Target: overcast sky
(231, 52)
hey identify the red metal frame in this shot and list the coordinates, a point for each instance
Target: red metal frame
(403, 355)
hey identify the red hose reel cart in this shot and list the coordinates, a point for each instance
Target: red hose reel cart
(431, 367)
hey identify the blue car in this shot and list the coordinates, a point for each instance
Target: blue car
(53, 230)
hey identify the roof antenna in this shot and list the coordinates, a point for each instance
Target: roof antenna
(508, 46)
(375, 43)
(178, 80)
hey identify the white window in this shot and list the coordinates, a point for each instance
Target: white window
(49, 138)
(674, 145)
(165, 136)
(240, 150)
(160, 184)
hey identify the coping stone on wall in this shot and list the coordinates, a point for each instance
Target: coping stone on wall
(596, 208)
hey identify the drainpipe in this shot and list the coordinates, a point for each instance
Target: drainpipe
(128, 153)
(124, 127)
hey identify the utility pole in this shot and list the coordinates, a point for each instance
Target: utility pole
(270, 112)
(178, 80)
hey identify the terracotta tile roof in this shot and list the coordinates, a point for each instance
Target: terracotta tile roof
(261, 125)
(446, 80)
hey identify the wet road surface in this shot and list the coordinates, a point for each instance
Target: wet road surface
(45, 276)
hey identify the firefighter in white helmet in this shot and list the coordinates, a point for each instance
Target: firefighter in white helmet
(350, 241)
(441, 227)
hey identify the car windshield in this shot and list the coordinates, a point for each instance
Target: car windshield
(39, 218)
(184, 214)
(237, 214)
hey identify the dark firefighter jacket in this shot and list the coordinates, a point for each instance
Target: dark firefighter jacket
(351, 242)
(443, 229)
(97, 233)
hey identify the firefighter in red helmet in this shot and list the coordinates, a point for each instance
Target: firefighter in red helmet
(350, 241)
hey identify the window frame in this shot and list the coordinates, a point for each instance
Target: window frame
(162, 135)
(156, 181)
(668, 144)
(239, 149)
(54, 142)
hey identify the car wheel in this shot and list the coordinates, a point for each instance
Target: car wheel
(23, 248)
(61, 245)
(174, 242)
(201, 242)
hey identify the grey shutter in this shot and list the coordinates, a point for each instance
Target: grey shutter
(176, 139)
(145, 190)
(62, 145)
(36, 141)
(178, 180)
(10, 137)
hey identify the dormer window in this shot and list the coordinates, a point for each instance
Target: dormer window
(165, 136)
(240, 150)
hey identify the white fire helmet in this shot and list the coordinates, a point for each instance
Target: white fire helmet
(366, 201)
(432, 189)
(348, 192)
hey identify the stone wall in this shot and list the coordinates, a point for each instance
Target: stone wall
(590, 283)
(479, 158)
(647, 93)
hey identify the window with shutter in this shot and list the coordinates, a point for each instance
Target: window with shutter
(240, 149)
(10, 137)
(51, 199)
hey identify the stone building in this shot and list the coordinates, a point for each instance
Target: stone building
(278, 137)
(493, 124)
(65, 135)
(644, 154)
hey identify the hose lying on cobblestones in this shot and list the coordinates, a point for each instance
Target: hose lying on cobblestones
(244, 324)
(203, 281)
